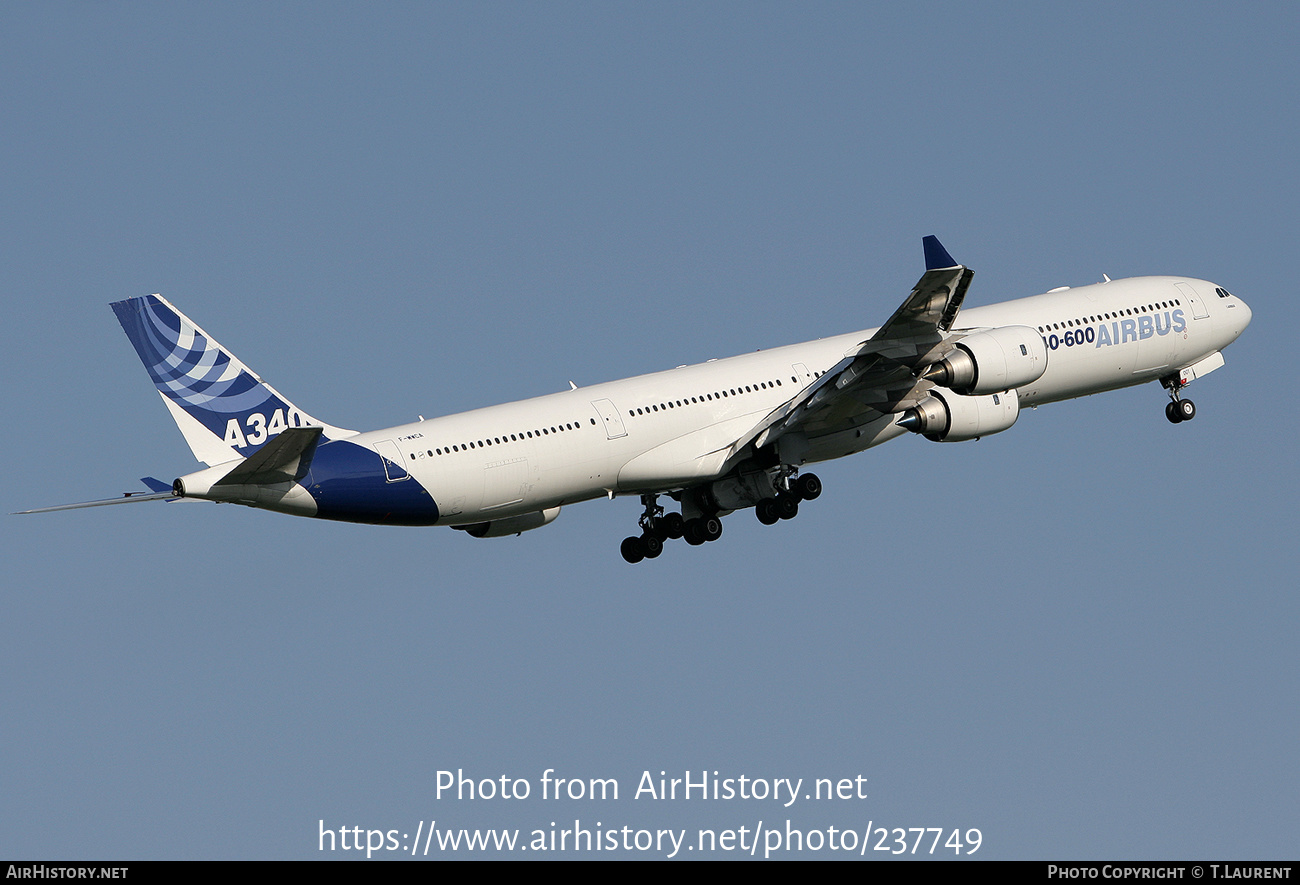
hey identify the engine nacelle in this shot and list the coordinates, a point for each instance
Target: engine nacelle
(992, 361)
(511, 525)
(950, 417)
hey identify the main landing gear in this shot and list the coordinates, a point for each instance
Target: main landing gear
(1179, 409)
(785, 505)
(658, 526)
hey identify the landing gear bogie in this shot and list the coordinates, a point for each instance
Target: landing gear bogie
(805, 487)
(635, 549)
(702, 530)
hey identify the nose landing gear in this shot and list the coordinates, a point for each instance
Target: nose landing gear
(1178, 410)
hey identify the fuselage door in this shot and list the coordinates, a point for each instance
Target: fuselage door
(609, 414)
(392, 459)
(1198, 306)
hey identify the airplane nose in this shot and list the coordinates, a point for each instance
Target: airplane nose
(1241, 316)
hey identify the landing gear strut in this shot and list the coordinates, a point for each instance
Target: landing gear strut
(1179, 409)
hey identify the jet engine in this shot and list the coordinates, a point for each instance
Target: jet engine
(944, 416)
(988, 362)
(511, 525)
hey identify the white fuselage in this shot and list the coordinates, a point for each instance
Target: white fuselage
(675, 428)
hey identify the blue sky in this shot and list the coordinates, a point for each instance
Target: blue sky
(1077, 636)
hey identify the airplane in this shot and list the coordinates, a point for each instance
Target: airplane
(717, 437)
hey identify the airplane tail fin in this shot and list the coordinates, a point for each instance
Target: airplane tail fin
(224, 410)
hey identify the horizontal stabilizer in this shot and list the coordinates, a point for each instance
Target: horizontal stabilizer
(128, 498)
(286, 458)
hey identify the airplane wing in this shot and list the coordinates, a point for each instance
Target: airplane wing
(882, 375)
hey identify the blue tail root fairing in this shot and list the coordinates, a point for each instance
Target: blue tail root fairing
(350, 483)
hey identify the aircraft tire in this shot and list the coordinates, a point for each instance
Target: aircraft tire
(631, 550)
(711, 528)
(787, 506)
(674, 525)
(1171, 412)
(766, 511)
(808, 486)
(694, 534)
(1186, 410)
(651, 545)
